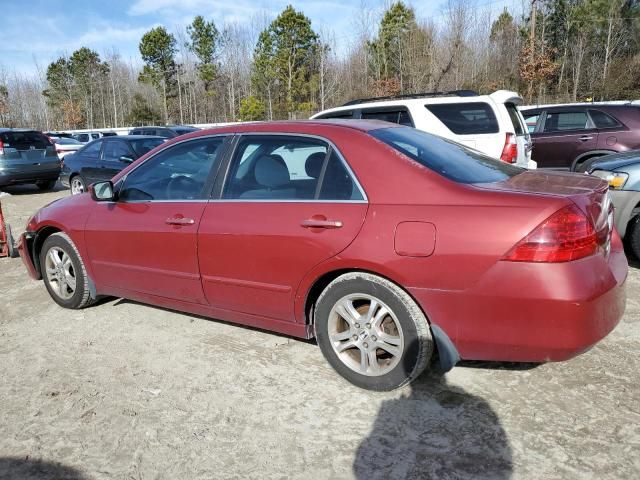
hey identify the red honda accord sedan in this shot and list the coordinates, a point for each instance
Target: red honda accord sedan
(386, 244)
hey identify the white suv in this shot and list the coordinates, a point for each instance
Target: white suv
(491, 124)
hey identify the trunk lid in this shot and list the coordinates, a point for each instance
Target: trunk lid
(590, 194)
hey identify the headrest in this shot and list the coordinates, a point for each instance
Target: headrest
(313, 164)
(271, 171)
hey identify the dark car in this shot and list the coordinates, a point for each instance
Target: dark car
(622, 171)
(572, 136)
(28, 156)
(297, 227)
(170, 131)
(101, 159)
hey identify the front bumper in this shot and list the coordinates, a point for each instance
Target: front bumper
(527, 312)
(25, 248)
(624, 201)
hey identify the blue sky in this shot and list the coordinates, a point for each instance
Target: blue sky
(39, 31)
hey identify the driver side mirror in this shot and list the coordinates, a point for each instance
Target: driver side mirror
(125, 159)
(102, 191)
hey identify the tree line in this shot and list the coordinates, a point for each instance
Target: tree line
(555, 51)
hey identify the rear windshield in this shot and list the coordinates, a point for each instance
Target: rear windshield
(451, 160)
(145, 145)
(24, 140)
(466, 118)
(516, 120)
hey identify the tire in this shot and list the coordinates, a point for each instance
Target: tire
(355, 347)
(11, 249)
(633, 237)
(60, 246)
(77, 185)
(585, 165)
(46, 184)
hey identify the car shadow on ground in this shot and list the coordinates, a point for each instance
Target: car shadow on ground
(435, 431)
(32, 469)
(30, 189)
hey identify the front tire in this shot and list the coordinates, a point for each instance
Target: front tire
(633, 236)
(372, 332)
(64, 273)
(77, 185)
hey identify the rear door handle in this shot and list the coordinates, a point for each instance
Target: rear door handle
(180, 221)
(318, 223)
(584, 138)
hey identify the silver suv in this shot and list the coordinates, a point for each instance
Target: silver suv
(27, 156)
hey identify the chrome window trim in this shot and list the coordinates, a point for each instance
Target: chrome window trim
(354, 178)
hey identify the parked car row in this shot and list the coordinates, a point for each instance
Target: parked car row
(391, 246)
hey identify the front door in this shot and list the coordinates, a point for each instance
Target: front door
(565, 135)
(289, 203)
(112, 153)
(146, 241)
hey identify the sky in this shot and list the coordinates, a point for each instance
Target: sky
(34, 33)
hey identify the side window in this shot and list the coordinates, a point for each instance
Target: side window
(95, 136)
(178, 173)
(561, 121)
(531, 120)
(470, 118)
(343, 114)
(400, 116)
(602, 120)
(113, 150)
(83, 137)
(92, 149)
(287, 168)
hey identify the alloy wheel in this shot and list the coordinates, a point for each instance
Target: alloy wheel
(77, 186)
(60, 273)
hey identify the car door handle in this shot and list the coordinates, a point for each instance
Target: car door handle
(180, 221)
(321, 223)
(584, 138)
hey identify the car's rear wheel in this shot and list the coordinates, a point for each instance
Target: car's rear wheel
(633, 237)
(64, 273)
(372, 332)
(77, 185)
(46, 184)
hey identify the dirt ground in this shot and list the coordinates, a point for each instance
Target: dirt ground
(127, 391)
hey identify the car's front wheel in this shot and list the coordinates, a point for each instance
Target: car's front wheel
(77, 185)
(633, 236)
(64, 273)
(372, 332)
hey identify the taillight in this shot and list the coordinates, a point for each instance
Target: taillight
(564, 236)
(1, 147)
(510, 149)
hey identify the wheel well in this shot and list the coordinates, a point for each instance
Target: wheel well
(38, 241)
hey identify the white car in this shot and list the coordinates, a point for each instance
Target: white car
(66, 145)
(490, 124)
(86, 137)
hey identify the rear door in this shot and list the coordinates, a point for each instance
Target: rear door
(266, 232)
(146, 241)
(28, 152)
(112, 152)
(565, 135)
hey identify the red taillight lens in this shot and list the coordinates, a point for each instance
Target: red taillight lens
(510, 150)
(1, 148)
(564, 236)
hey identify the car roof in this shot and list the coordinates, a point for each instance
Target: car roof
(569, 106)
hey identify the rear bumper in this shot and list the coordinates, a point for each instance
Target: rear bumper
(526, 312)
(25, 244)
(624, 201)
(13, 177)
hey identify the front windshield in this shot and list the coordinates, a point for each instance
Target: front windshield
(445, 157)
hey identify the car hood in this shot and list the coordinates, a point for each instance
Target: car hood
(619, 161)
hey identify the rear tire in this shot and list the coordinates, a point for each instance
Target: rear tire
(380, 349)
(633, 237)
(64, 273)
(46, 184)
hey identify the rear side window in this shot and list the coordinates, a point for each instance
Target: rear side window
(516, 121)
(561, 121)
(602, 120)
(466, 118)
(449, 159)
(344, 114)
(400, 116)
(531, 120)
(25, 140)
(92, 149)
